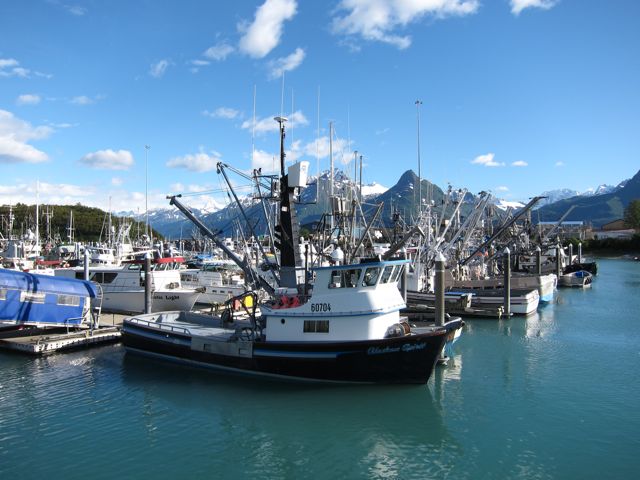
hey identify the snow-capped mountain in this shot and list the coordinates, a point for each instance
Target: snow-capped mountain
(373, 189)
(505, 204)
(555, 196)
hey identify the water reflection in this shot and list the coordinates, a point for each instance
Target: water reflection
(278, 429)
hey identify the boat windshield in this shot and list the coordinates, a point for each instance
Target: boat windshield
(345, 278)
(371, 275)
(386, 274)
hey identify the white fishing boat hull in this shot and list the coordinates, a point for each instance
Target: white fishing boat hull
(132, 301)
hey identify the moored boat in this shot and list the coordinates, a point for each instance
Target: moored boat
(579, 279)
(348, 330)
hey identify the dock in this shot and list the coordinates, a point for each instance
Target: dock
(42, 341)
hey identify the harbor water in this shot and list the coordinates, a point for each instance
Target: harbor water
(553, 395)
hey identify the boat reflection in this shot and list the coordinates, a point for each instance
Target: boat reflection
(388, 430)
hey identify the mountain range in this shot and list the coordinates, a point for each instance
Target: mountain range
(597, 206)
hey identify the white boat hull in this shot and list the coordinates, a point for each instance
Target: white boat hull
(132, 301)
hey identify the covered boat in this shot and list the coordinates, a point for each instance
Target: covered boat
(43, 300)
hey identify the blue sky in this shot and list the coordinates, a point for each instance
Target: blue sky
(518, 96)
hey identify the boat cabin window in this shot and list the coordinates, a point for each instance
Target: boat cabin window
(371, 275)
(344, 278)
(33, 297)
(70, 300)
(134, 266)
(386, 274)
(3, 293)
(104, 277)
(316, 326)
(396, 273)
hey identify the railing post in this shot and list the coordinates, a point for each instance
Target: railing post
(580, 252)
(86, 264)
(538, 260)
(570, 261)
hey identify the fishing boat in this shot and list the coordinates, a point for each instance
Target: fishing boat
(579, 279)
(522, 301)
(348, 330)
(339, 323)
(545, 284)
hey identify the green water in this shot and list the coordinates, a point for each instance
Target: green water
(554, 395)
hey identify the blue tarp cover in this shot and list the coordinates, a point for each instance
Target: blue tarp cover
(33, 282)
(47, 310)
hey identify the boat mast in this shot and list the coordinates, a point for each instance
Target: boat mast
(418, 103)
(146, 191)
(285, 227)
(331, 176)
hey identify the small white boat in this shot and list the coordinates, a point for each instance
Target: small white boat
(579, 279)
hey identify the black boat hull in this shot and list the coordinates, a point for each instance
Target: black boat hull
(406, 359)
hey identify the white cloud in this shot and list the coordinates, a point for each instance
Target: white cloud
(268, 124)
(518, 5)
(199, 162)
(263, 35)
(377, 20)
(519, 163)
(286, 64)
(268, 162)
(502, 188)
(320, 147)
(52, 193)
(222, 112)
(85, 100)
(487, 160)
(9, 67)
(76, 10)
(157, 70)
(559, 164)
(8, 62)
(219, 51)
(109, 159)
(116, 181)
(14, 135)
(28, 99)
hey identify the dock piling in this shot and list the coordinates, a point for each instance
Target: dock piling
(439, 287)
(147, 283)
(507, 282)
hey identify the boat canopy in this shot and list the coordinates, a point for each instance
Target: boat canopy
(24, 281)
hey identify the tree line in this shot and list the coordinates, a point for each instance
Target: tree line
(90, 224)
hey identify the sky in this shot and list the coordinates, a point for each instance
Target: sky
(102, 102)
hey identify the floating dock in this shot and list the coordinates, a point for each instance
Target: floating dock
(42, 343)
